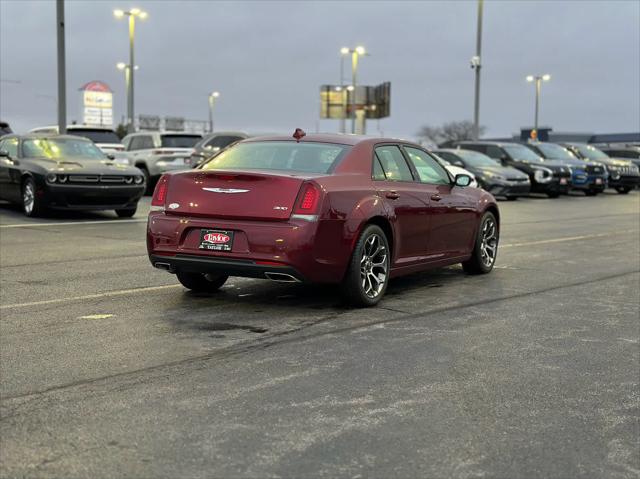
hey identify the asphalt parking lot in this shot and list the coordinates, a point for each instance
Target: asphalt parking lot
(110, 369)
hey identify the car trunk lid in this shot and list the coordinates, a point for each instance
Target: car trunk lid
(233, 194)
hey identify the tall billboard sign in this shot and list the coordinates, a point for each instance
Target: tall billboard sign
(97, 104)
(338, 102)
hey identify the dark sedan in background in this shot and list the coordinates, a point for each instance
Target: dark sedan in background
(548, 179)
(623, 174)
(492, 176)
(65, 172)
(587, 176)
(212, 143)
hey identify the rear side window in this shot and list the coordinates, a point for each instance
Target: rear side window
(134, 143)
(180, 141)
(393, 163)
(279, 155)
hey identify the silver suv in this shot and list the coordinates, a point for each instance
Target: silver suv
(156, 152)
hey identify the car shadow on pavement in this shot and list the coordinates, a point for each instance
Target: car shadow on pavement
(257, 306)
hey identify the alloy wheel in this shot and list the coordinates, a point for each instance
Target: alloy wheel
(373, 266)
(28, 197)
(489, 245)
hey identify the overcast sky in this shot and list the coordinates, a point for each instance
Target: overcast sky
(268, 59)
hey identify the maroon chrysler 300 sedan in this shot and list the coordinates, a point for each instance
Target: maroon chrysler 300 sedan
(320, 208)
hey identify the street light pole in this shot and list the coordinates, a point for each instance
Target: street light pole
(476, 64)
(130, 106)
(538, 79)
(62, 75)
(212, 100)
(132, 14)
(343, 119)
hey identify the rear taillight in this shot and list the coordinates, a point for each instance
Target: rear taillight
(308, 200)
(160, 193)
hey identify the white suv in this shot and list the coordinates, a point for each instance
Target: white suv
(155, 152)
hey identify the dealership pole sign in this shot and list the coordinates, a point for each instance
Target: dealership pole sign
(97, 104)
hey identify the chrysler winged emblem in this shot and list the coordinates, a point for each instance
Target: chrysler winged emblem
(225, 190)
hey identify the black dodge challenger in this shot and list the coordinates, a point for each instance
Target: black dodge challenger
(65, 172)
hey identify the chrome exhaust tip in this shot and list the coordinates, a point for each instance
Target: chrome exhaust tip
(163, 266)
(281, 277)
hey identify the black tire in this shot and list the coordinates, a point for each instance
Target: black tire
(591, 192)
(623, 190)
(201, 283)
(512, 198)
(126, 213)
(371, 245)
(553, 194)
(477, 264)
(31, 203)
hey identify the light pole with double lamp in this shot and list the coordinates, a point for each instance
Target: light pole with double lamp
(356, 53)
(212, 102)
(538, 79)
(132, 14)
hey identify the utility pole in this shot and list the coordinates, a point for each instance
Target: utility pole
(62, 76)
(477, 65)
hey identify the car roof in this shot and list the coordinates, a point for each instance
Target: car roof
(48, 136)
(485, 142)
(336, 138)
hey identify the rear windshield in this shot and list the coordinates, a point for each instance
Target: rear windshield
(279, 155)
(97, 136)
(180, 141)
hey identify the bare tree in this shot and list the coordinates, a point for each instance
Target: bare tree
(451, 131)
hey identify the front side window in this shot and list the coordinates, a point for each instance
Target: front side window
(492, 152)
(222, 141)
(61, 149)
(393, 163)
(10, 145)
(429, 170)
(279, 155)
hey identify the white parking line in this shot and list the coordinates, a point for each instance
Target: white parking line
(568, 238)
(108, 294)
(70, 223)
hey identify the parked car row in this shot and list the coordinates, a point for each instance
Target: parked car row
(505, 169)
(552, 169)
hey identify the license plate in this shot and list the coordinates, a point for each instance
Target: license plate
(598, 181)
(216, 240)
(563, 181)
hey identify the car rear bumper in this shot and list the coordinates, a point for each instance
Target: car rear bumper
(227, 266)
(315, 251)
(93, 197)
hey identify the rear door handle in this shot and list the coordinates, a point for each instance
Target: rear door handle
(392, 195)
(436, 197)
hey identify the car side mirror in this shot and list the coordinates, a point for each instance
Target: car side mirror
(504, 160)
(111, 156)
(4, 154)
(462, 180)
